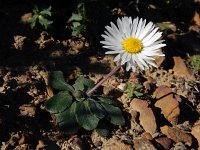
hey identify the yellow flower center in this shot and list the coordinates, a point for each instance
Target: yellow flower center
(132, 45)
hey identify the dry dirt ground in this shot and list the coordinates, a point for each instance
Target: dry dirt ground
(164, 117)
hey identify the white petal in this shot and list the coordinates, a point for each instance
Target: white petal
(153, 39)
(124, 60)
(117, 58)
(156, 43)
(142, 28)
(128, 66)
(116, 31)
(126, 27)
(114, 48)
(149, 27)
(151, 53)
(119, 24)
(142, 61)
(150, 35)
(113, 35)
(129, 57)
(150, 48)
(152, 63)
(113, 52)
(134, 29)
(110, 44)
(146, 57)
(133, 64)
(133, 68)
(139, 28)
(134, 57)
(110, 39)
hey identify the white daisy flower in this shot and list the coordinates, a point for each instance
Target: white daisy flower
(134, 42)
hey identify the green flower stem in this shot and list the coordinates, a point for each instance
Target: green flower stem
(91, 91)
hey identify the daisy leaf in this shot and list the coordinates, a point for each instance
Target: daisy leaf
(57, 81)
(85, 117)
(59, 102)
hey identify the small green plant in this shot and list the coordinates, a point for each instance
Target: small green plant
(78, 20)
(41, 16)
(195, 62)
(134, 90)
(88, 18)
(74, 109)
(168, 1)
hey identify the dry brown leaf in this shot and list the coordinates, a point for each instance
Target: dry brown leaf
(159, 60)
(181, 70)
(143, 143)
(41, 145)
(113, 144)
(23, 78)
(148, 122)
(147, 135)
(26, 17)
(149, 83)
(19, 42)
(22, 140)
(167, 25)
(196, 131)
(165, 142)
(27, 110)
(49, 91)
(176, 135)
(168, 104)
(196, 18)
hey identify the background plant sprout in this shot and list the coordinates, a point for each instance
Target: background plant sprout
(133, 90)
(195, 62)
(41, 17)
(86, 20)
(78, 20)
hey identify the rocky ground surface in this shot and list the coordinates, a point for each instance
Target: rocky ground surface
(165, 114)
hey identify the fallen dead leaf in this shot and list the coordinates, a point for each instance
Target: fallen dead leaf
(45, 77)
(168, 104)
(122, 87)
(77, 144)
(40, 145)
(74, 143)
(45, 39)
(196, 131)
(19, 42)
(148, 122)
(23, 139)
(147, 136)
(176, 135)
(167, 26)
(113, 144)
(49, 91)
(197, 1)
(165, 142)
(149, 83)
(196, 18)
(26, 17)
(159, 59)
(143, 144)
(27, 110)
(181, 70)
(23, 78)
(23, 147)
